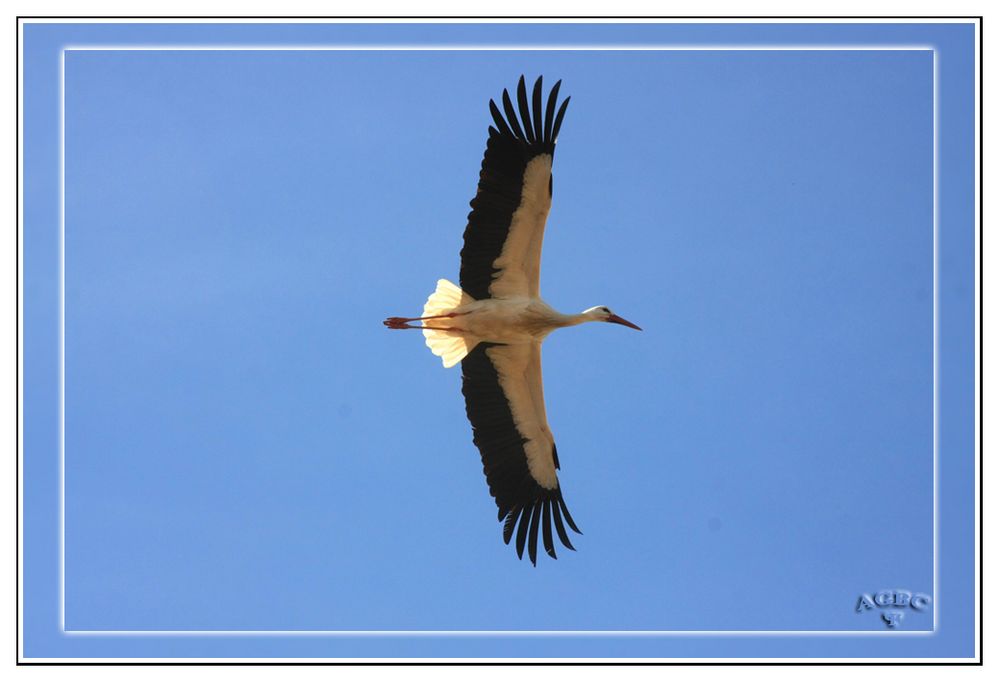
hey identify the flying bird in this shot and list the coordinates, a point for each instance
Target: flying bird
(495, 321)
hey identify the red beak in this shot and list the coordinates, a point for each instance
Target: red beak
(621, 321)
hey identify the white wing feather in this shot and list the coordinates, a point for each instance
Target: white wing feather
(519, 369)
(519, 261)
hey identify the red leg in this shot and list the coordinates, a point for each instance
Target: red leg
(392, 324)
(400, 323)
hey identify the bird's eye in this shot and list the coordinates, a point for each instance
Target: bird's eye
(605, 309)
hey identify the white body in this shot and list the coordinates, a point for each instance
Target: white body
(507, 321)
(455, 322)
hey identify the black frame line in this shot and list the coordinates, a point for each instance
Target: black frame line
(21, 19)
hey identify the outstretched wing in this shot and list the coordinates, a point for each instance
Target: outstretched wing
(502, 384)
(503, 240)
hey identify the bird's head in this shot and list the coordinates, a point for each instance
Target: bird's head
(603, 314)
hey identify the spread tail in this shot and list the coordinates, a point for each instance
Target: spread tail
(451, 346)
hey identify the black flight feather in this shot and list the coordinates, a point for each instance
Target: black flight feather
(560, 529)
(522, 530)
(522, 105)
(508, 525)
(536, 514)
(569, 518)
(536, 110)
(550, 110)
(547, 529)
(559, 117)
(499, 120)
(511, 116)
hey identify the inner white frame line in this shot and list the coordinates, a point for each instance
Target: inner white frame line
(474, 48)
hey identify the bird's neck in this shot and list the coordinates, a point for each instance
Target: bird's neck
(564, 320)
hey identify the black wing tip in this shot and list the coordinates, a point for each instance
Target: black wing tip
(542, 514)
(528, 121)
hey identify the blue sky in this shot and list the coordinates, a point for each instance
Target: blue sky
(247, 447)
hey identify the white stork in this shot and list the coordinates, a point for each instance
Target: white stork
(496, 322)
